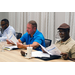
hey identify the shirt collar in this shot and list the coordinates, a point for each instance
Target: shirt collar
(66, 41)
(7, 28)
(34, 33)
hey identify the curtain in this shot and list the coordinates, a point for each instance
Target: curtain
(70, 19)
(45, 22)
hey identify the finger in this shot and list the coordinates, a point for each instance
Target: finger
(61, 53)
(65, 56)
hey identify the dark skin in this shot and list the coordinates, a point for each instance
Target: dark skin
(64, 35)
(4, 25)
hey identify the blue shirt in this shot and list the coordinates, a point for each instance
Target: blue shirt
(37, 37)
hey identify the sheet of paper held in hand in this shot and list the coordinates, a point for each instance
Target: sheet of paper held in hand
(52, 50)
(12, 38)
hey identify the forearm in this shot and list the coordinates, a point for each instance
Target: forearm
(19, 41)
(69, 58)
(24, 46)
(30, 45)
(66, 56)
(34, 45)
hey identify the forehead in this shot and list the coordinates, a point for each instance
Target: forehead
(62, 30)
(29, 25)
(2, 22)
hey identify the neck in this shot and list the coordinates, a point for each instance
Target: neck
(5, 27)
(63, 40)
(32, 34)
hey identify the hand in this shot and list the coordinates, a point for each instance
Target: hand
(64, 55)
(19, 45)
(9, 42)
(44, 51)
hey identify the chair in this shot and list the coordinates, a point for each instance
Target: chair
(18, 35)
(48, 42)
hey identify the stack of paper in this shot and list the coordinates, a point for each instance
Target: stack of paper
(10, 48)
(39, 54)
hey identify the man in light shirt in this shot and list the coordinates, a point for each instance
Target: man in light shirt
(5, 29)
(66, 45)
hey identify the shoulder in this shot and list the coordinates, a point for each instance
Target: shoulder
(10, 27)
(72, 42)
(38, 33)
(57, 42)
(26, 34)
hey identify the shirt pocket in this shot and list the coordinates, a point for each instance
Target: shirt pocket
(64, 48)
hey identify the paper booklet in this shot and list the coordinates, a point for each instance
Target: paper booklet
(52, 50)
(12, 38)
(10, 48)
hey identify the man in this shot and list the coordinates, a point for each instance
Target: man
(32, 37)
(5, 29)
(66, 45)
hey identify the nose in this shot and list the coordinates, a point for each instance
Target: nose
(60, 33)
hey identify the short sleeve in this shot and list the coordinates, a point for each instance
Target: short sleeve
(23, 38)
(38, 39)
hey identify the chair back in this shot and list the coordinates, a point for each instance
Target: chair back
(18, 35)
(48, 42)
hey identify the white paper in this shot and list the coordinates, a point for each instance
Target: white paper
(52, 50)
(39, 54)
(12, 38)
(10, 47)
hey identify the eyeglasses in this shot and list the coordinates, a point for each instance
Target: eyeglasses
(62, 32)
(2, 24)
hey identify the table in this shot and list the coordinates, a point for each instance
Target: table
(15, 56)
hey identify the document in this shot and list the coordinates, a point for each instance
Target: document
(39, 54)
(10, 48)
(12, 38)
(52, 50)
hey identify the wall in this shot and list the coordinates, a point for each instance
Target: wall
(4, 15)
(59, 19)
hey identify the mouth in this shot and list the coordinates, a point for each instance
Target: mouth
(62, 37)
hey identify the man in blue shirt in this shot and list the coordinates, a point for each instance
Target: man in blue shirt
(32, 37)
(6, 29)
